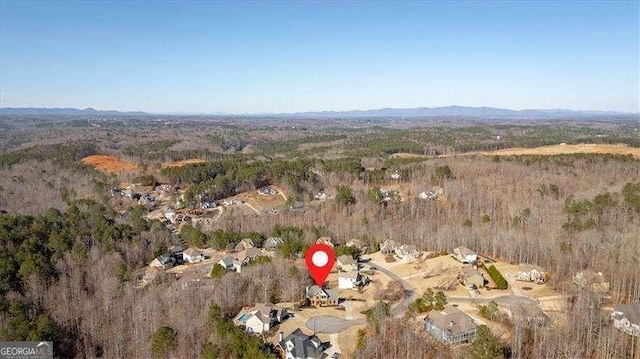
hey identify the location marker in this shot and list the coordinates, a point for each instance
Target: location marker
(320, 259)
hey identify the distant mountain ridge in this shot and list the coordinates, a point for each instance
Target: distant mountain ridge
(460, 111)
(446, 111)
(65, 111)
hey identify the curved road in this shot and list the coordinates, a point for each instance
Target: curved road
(330, 324)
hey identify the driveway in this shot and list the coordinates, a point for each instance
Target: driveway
(330, 324)
(504, 300)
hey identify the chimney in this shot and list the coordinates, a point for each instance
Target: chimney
(280, 336)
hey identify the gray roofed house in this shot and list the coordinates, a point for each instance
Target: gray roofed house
(626, 317)
(321, 297)
(231, 264)
(528, 314)
(451, 326)
(346, 263)
(272, 243)
(472, 277)
(298, 345)
(248, 255)
(465, 255)
(163, 261)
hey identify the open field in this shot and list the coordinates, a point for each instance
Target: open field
(568, 149)
(182, 163)
(109, 164)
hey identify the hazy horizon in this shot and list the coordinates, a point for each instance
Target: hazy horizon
(284, 57)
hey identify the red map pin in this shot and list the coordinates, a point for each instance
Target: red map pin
(320, 259)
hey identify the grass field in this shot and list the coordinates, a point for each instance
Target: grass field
(109, 164)
(559, 149)
(568, 149)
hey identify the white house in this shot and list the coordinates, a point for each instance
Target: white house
(464, 255)
(231, 264)
(191, 255)
(350, 280)
(407, 252)
(346, 263)
(170, 215)
(531, 273)
(260, 318)
(388, 247)
(626, 317)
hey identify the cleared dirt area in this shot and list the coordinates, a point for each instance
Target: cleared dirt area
(109, 164)
(182, 163)
(261, 202)
(568, 149)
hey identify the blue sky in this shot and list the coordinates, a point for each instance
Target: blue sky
(248, 57)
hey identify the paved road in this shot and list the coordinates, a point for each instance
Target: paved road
(330, 324)
(409, 293)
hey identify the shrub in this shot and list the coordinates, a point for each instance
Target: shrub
(497, 277)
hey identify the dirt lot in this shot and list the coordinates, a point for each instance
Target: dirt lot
(568, 149)
(109, 164)
(261, 202)
(182, 163)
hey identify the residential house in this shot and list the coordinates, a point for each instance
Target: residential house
(465, 255)
(588, 279)
(260, 318)
(395, 175)
(346, 263)
(248, 255)
(192, 255)
(351, 280)
(626, 317)
(407, 252)
(163, 261)
(527, 314)
(170, 214)
(131, 194)
(472, 278)
(325, 240)
(451, 326)
(272, 243)
(321, 195)
(359, 244)
(244, 244)
(433, 193)
(268, 191)
(531, 273)
(298, 345)
(176, 251)
(231, 264)
(321, 297)
(388, 247)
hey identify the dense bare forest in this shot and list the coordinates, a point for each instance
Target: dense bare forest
(70, 260)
